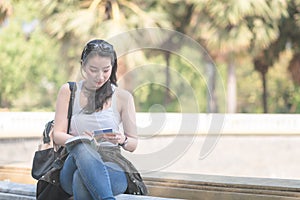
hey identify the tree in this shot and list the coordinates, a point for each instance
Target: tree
(181, 22)
(287, 34)
(75, 22)
(29, 66)
(230, 30)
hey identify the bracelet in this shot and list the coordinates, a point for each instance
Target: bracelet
(125, 142)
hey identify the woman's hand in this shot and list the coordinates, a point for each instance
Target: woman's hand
(88, 133)
(115, 138)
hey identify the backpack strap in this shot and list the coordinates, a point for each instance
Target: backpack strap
(73, 88)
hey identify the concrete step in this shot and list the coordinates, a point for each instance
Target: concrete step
(212, 187)
(163, 185)
(20, 191)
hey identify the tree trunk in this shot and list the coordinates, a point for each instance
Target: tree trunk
(231, 87)
(262, 67)
(167, 98)
(211, 95)
(265, 92)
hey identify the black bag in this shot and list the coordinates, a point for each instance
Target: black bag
(48, 186)
(49, 159)
(46, 154)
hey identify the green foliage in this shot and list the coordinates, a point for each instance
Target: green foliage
(283, 94)
(29, 68)
(150, 98)
(249, 88)
(295, 100)
(187, 87)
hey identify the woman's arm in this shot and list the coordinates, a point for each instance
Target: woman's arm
(61, 115)
(128, 117)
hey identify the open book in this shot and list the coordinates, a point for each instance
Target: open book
(78, 139)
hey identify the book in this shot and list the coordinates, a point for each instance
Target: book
(78, 139)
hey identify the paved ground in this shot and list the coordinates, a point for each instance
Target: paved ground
(248, 156)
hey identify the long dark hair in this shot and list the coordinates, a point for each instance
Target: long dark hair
(96, 99)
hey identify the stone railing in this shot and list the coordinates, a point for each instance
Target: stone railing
(31, 124)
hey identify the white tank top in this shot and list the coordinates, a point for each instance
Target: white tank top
(108, 118)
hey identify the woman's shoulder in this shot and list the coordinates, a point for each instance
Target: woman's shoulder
(123, 94)
(65, 89)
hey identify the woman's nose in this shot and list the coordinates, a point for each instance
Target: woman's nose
(101, 75)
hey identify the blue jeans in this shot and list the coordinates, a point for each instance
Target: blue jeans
(85, 175)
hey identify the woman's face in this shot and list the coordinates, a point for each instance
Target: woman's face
(98, 70)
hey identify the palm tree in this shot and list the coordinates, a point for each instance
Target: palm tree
(288, 35)
(75, 22)
(229, 31)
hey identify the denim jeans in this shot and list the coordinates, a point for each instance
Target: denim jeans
(85, 175)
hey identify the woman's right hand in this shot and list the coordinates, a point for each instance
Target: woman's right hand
(88, 133)
(108, 137)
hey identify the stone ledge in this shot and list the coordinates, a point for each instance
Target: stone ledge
(165, 185)
(20, 191)
(31, 124)
(212, 187)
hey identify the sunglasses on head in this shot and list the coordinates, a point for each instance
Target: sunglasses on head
(100, 45)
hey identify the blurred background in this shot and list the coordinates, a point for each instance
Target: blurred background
(253, 44)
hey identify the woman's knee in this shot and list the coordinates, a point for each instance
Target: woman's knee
(117, 178)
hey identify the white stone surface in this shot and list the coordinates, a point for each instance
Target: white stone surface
(31, 124)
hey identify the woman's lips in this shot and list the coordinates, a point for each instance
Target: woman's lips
(99, 83)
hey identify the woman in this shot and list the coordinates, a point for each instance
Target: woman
(89, 172)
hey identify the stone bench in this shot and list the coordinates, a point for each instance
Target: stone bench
(20, 191)
(215, 187)
(166, 186)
